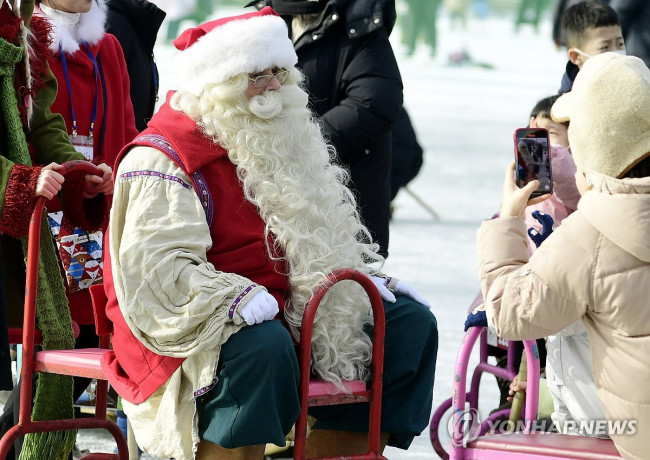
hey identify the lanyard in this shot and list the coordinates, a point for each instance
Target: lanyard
(67, 81)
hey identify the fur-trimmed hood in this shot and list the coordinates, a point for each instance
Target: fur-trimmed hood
(89, 29)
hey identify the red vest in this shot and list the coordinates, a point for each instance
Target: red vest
(237, 232)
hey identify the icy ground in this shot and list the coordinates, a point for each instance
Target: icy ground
(465, 117)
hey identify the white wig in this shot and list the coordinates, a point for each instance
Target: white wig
(287, 172)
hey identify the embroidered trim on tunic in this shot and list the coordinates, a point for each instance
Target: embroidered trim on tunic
(204, 390)
(150, 173)
(231, 310)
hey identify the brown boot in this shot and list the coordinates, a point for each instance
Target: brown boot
(210, 451)
(332, 443)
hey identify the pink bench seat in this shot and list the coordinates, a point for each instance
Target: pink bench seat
(540, 445)
(81, 363)
(321, 392)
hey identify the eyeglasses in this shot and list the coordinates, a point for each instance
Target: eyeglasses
(262, 81)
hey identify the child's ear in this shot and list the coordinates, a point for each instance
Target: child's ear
(532, 123)
(575, 57)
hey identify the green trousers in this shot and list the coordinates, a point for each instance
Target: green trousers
(255, 400)
(411, 347)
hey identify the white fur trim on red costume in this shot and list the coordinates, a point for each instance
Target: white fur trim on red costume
(89, 29)
(239, 46)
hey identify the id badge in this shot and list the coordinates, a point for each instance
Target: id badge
(83, 145)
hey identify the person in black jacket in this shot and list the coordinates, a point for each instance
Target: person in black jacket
(635, 19)
(355, 88)
(135, 23)
(407, 154)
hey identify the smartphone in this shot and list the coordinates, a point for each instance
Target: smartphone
(532, 159)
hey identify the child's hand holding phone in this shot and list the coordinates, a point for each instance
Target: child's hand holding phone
(515, 198)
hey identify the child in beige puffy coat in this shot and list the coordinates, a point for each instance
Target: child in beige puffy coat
(596, 265)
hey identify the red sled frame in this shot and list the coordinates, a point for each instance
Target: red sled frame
(318, 393)
(79, 362)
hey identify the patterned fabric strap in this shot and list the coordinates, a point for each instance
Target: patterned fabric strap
(233, 307)
(161, 143)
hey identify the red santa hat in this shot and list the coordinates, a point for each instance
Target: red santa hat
(218, 50)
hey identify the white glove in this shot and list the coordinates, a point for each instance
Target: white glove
(261, 307)
(403, 288)
(400, 288)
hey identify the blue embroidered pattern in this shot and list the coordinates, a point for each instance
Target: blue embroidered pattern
(231, 310)
(150, 173)
(204, 390)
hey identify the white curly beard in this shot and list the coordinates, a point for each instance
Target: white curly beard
(286, 170)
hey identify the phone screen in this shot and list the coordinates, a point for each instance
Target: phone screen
(532, 157)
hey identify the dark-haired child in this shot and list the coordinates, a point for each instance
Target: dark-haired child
(589, 28)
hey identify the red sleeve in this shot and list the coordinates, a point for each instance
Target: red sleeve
(125, 129)
(85, 213)
(20, 199)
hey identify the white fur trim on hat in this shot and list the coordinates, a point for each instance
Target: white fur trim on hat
(609, 110)
(238, 46)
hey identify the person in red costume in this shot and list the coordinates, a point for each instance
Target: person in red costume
(33, 145)
(94, 100)
(228, 211)
(89, 66)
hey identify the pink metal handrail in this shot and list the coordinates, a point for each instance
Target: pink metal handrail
(460, 382)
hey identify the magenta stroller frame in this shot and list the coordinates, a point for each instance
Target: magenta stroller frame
(462, 431)
(472, 396)
(471, 439)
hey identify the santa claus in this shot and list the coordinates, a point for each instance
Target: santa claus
(228, 212)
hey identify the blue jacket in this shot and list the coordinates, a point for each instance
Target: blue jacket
(568, 77)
